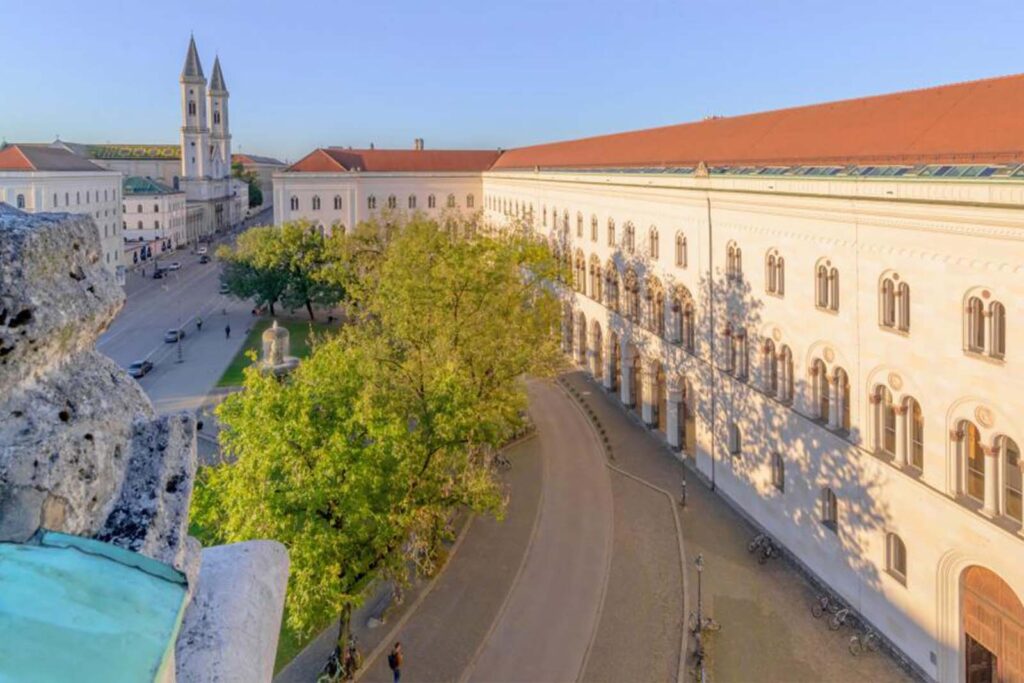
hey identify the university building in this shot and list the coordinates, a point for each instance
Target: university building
(818, 308)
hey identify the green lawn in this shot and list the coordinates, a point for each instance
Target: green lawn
(300, 341)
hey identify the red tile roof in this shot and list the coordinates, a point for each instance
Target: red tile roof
(37, 157)
(255, 159)
(979, 121)
(337, 159)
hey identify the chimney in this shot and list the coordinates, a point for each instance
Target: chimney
(371, 145)
(417, 144)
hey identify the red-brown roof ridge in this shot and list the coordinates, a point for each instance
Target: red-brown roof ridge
(338, 159)
(972, 121)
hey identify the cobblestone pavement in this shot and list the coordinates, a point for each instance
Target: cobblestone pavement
(767, 633)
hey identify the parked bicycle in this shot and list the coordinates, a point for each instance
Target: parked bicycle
(824, 604)
(838, 619)
(764, 546)
(868, 640)
(501, 462)
(342, 666)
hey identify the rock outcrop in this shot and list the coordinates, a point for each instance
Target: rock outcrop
(80, 449)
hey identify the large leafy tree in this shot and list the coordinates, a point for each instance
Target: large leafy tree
(252, 179)
(285, 264)
(357, 460)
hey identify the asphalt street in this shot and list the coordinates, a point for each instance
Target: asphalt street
(182, 375)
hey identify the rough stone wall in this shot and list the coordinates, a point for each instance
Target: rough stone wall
(80, 449)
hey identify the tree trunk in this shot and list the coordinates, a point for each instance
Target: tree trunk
(309, 307)
(271, 309)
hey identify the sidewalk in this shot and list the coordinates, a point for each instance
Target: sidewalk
(767, 633)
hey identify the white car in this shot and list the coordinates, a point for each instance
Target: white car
(201, 250)
(173, 265)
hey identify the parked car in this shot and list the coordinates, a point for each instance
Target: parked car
(172, 335)
(204, 259)
(224, 289)
(201, 251)
(173, 265)
(139, 368)
(158, 274)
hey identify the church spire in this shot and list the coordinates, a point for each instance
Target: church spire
(217, 79)
(193, 68)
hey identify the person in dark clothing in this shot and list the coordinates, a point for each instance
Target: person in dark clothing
(227, 332)
(395, 661)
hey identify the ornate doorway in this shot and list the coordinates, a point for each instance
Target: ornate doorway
(661, 400)
(616, 359)
(993, 628)
(637, 378)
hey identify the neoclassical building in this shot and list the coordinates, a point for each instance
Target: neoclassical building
(818, 308)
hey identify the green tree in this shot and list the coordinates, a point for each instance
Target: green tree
(252, 179)
(251, 268)
(283, 264)
(358, 459)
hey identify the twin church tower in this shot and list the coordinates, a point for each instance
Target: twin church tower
(205, 135)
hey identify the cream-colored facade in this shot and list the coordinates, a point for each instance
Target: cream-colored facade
(797, 397)
(154, 215)
(94, 193)
(332, 199)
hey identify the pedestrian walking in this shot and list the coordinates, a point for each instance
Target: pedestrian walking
(199, 324)
(395, 661)
(682, 493)
(227, 331)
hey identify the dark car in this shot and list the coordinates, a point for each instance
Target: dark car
(224, 289)
(172, 336)
(139, 368)
(204, 259)
(158, 274)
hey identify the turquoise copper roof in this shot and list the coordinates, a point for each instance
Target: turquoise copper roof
(76, 609)
(138, 185)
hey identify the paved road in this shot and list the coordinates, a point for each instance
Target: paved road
(154, 306)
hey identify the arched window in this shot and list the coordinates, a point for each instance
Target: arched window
(735, 439)
(842, 408)
(785, 374)
(887, 303)
(371, 202)
(138, 209)
(975, 325)
(655, 307)
(885, 421)
(156, 225)
(830, 509)
(997, 327)
(733, 261)
(682, 318)
(316, 202)
(896, 557)
(156, 208)
(903, 307)
(652, 240)
(20, 201)
(737, 359)
(596, 278)
(565, 222)
(826, 287)
(778, 472)
(985, 327)
(55, 199)
(972, 458)
(294, 203)
(680, 250)
(469, 201)
(915, 432)
(140, 225)
(579, 224)
(593, 228)
(774, 273)
(611, 232)
(412, 201)
(770, 369)
(544, 215)
(216, 116)
(337, 202)
(191, 107)
(1012, 488)
(629, 239)
(611, 286)
(67, 199)
(451, 202)
(392, 201)
(579, 274)
(431, 201)
(632, 296)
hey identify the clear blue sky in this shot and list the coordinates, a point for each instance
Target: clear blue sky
(486, 73)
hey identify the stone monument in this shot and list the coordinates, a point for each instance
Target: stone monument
(276, 345)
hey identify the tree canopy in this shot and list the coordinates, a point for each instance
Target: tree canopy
(357, 460)
(252, 179)
(288, 264)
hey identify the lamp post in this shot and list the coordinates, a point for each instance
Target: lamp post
(699, 562)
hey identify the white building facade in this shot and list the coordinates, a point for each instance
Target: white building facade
(154, 219)
(341, 187)
(835, 344)
(37, 178)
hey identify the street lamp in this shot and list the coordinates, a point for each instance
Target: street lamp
(699, 562)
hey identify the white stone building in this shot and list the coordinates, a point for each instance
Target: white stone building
(154, 219)
(340, 187)
(37, 178)
(820, 307)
